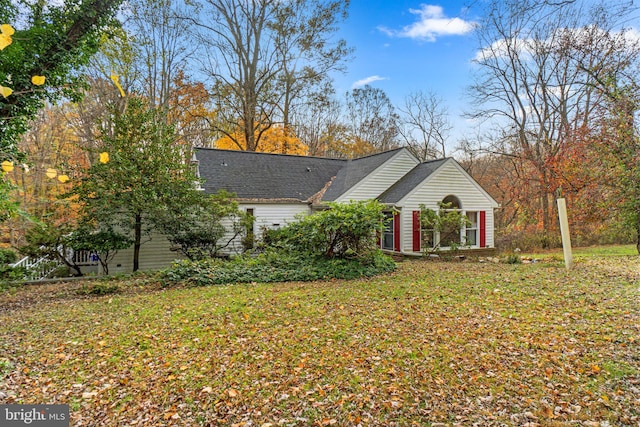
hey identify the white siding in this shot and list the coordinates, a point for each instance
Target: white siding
(449, 179)
(156, 253)
(269, 216)
(275, 215)
(382, 178)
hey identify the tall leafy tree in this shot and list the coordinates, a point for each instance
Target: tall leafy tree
(531, 82)
(372, 121)
(261, 55)
(51, 42)
(146, 171)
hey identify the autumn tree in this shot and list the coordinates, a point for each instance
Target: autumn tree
(261, 56)
(51, 42)
(531, 82)
(189, 111)
(277, 139)
(146, 171)
(371, 121)
(50, 148)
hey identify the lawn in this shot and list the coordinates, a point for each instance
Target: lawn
(434, 343)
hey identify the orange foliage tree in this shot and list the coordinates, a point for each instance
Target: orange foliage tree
(52, 150)
(189, 111)
(275, 139)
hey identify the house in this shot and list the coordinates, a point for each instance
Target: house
(274, 188)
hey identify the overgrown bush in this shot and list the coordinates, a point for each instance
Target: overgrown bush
(274, 266)
(345, 230)
(338, 243)
(99, 288)
(11, 274)
(8, 273)
(7, 256)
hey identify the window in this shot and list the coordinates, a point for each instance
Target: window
(428, 238)
(387, 234)
(452, 227)
(249, 239)
(451, 202)
(472, 229)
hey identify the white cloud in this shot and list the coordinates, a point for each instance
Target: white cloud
(526, 47)
(504, 48)
(366, 81)
(432, 23)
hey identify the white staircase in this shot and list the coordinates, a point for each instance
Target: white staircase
(37, 268)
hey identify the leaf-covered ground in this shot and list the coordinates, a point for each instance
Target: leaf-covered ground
(434, 343)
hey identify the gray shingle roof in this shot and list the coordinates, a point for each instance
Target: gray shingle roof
(413, 178)
(265, 176)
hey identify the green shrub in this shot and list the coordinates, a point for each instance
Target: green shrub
(345, 230)
(11, 274)
(513, 259)
(99, 288)
(8, 256)
(274, 266)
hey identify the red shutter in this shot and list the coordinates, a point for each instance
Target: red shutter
(483, 229)
(396, 232)
(416, 231)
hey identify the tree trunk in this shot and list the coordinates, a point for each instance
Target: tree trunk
(137, 242)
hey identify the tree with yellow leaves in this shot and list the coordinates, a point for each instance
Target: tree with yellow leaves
(276, 139)
(37, 64)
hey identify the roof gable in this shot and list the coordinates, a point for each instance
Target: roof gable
(424, 172)
(407, 183)
(355, 171)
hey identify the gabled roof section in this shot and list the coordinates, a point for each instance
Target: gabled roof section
(265, 176)
(410, 181)
(355, 171)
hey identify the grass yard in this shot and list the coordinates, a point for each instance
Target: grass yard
(434, 343)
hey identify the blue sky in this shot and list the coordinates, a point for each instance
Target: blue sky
(403, 46)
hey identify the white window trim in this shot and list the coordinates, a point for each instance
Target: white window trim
(463, 232)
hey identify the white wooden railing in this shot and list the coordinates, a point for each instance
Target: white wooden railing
(40, 268)
(37, 268)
